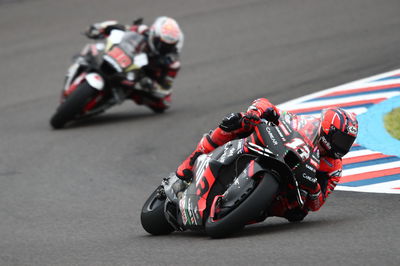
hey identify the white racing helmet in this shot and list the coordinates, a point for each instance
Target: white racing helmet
(165, 36)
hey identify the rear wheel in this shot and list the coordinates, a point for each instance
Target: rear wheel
(248, 210)
(73, 105)
(153, 216)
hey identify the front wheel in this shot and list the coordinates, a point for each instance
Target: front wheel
(153, 216)
(73, 105)
(249, 210)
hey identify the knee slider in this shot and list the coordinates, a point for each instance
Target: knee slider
(295, 215)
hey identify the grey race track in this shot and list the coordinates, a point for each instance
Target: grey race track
(73, 197)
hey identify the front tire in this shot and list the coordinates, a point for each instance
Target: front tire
(250, 209)
(73, 105)
(153, 216)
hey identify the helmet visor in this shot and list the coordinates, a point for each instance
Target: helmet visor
(341, 142)
(162, 47)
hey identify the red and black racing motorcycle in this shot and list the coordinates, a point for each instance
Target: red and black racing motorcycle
(103, 75)
(235, 184)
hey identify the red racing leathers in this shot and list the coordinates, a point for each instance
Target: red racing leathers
(160, 72)
(285, 205)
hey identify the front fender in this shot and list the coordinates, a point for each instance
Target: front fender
(95, 80)
(242, 186)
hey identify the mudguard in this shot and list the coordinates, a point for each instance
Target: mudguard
(95, 80)
(243, 185)
(249, 205)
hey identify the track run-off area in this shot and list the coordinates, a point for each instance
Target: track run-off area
(74, 196)
(373, 163)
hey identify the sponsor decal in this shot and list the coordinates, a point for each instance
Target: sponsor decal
(280, 133)
(315, 155)
(309, 178)
(309, 167)
(119, 55)
(314, 163)
(337, 173)
(228, 152)
(271, 136)
(300, 147)
(182, 209)
(201, 164)
(240, 145)
(192, 212)
(326, 143)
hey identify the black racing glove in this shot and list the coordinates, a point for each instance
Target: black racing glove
(271, 115)
(102, 29)
(93, 32)
(249, 120)
(231, 122)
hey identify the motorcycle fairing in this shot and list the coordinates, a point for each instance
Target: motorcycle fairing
(226, 163)
(193, 202)
(122, 52)
(292, 155)
(95, 80)
(242, 186)
(118, 58)
(93, 55)
(71, 87)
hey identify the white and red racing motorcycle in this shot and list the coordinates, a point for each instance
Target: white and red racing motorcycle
(103, 75)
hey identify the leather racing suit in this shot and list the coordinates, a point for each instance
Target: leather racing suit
(160, 72)
(285, 204)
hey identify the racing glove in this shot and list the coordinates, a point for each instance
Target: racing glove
(231, 122)
(264, 109)
(101, 29)
(271, 114)
(249, 120)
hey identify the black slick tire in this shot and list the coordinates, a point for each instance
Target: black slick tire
(73, 105)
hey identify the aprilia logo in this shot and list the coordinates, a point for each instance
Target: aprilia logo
(309, 178)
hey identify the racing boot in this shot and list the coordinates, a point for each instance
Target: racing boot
(207, 144)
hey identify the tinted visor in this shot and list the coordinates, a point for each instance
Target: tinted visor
(341, 142)
(164, 48)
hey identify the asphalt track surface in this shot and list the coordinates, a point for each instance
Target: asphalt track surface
(73, 196)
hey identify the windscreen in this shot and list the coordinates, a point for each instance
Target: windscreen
(130, 41)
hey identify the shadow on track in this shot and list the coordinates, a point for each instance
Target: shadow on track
(265, 228)
(112, 118)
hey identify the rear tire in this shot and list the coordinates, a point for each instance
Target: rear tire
(73, 105)
(249, 210)
(153, 216)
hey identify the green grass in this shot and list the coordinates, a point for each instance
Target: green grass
(392, 123)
